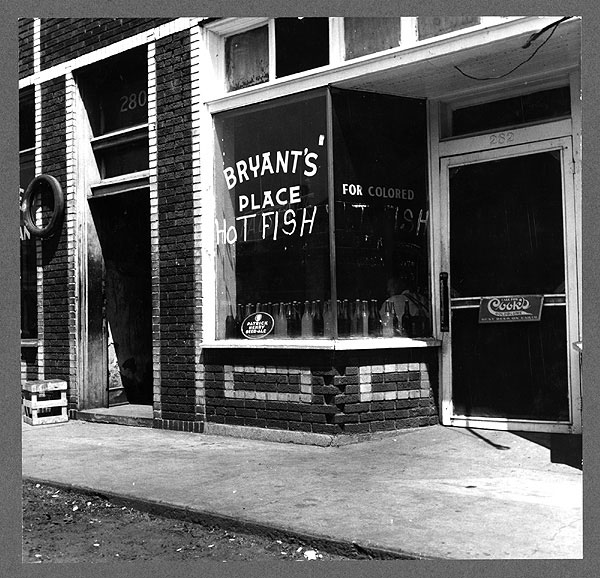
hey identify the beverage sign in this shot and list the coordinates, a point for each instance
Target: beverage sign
(257, 325)
(510, 308)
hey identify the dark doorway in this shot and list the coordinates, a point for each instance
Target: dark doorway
(122, 224)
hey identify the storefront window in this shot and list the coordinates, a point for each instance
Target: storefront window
(381, 213)
(28, 244)
(277, 199)
(272, 223)
(115, 93)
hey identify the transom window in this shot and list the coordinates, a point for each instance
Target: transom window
(115, 94)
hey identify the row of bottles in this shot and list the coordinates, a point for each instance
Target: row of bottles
(360, 318)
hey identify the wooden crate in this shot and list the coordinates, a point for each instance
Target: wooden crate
(45, 401)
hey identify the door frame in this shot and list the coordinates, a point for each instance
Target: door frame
(497, 145)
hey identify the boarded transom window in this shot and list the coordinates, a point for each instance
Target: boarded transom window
(247, 58)
(367, 35)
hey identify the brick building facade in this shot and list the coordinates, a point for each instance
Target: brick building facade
(132, 290)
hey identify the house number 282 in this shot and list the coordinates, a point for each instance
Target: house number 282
(501, 138)
(133, 101)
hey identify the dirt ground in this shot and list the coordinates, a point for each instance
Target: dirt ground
(67, 526)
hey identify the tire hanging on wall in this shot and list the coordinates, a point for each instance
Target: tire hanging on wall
(28, 206)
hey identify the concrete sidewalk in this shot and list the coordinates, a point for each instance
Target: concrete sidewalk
(429, 493)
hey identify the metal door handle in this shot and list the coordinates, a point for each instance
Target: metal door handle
(444, 303)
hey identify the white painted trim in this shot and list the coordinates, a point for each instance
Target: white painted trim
(510, 137)
(576, 112)
(36, 47)
(198, 55)
(409, 31)
(272, 51)
(512, 425)
(73, 222)
(154, 233)
(173, 27)
(540, 144)
(435, 247)
(337, 45)
(422, 52)
(377, 343)
(206, 199)
(230, 26)
(38, 245)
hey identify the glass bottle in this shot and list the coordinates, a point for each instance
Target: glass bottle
(230, 324)
(356, 329)
(374, 320)
(327, 319)
(387, 321)
(239, 317)
(365, 318)
(280, 321)
(307, 321)
(317, 319)
(343, 319)
(406, 320)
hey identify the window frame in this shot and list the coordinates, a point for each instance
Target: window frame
(210, 321)
(224, 28)
(132, 134)
(29, 153)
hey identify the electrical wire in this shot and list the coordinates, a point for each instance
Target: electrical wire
(531, 39)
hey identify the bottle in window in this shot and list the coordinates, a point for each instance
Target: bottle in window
(307, 321)
(365, 318)
(406, 320)
(230, 324)
(293, 320)
(327, 319)
(387, 321)
(280, 321)
(356, 329)
(239, 317)
(343, 319)
(317, 319)
(374, 320)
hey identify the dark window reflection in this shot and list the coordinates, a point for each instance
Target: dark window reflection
(527, 108)
(506, 227)
(301, 44)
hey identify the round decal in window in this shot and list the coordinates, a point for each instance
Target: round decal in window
(257, 325)
(43, 191)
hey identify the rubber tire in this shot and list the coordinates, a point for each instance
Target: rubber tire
(57, 213)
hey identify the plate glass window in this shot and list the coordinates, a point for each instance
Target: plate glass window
(326, 252)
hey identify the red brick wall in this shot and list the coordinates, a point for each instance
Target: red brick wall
(319, 392)
(54, 249)
(176, 232)
(25, 47)
(62, 39)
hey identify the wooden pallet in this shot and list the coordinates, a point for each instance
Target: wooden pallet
(45, 401)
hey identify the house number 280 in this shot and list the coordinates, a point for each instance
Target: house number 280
(133, 100)
(502, 138)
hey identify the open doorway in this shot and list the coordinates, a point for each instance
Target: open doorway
(122, 223)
